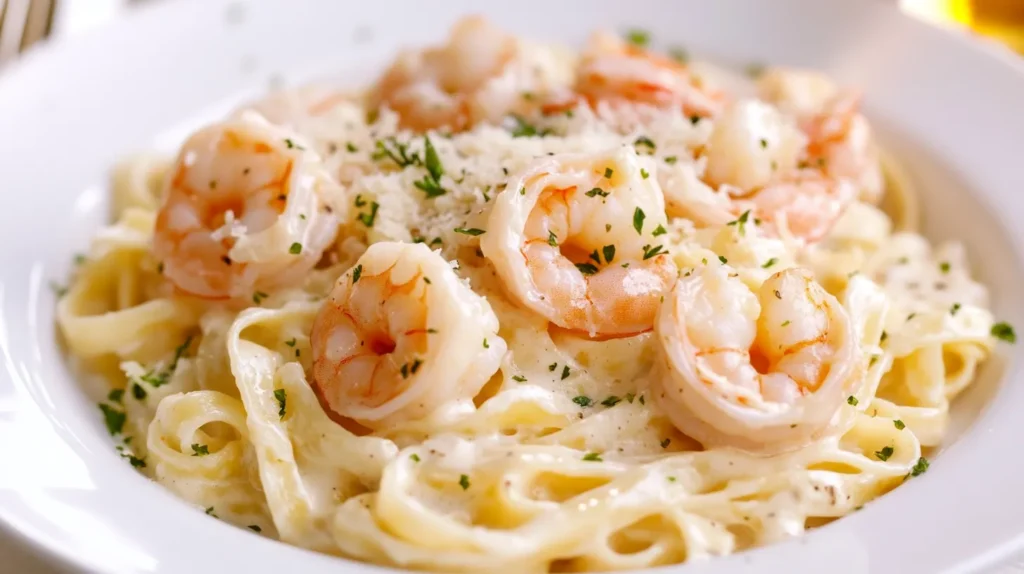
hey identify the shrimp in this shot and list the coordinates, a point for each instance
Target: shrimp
(245, 208)
(399, 336)
(575, 238)
(759, 159)
(480, 74)
(841, 139)
(298, 107)
(616, 71)
(765, 371)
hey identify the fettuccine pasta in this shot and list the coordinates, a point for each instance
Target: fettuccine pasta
(518, 309)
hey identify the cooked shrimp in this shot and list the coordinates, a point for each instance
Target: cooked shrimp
(480, 74)
(616, 71)
(298, 107)
(576, 238)
(244, 209)
(757, 157)
(399, 336)
(764, 371)
(841, 140)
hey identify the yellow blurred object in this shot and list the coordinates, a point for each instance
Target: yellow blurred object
(1002, 20)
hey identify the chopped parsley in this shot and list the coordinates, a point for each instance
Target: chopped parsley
(486, 344)
(163, 377)
(885, 453)
(552, 239)
(565, 372)
(291, 145)
(357, 272)
(113, 418)
(852, 400)
(583, 401)
(653, 251)
(630, 397)
(944, 266)
(209, 512)
(464, 482)
(135, 461)
(920, 467)
(138, 392)
(258, 297)
(351, 147)
(724, 261)
(609, 253)
(741, 222)
(396, 152)
(470, 231)
(639, 38)
(596, 191)
(523, 129)
(552, 367)
(369, 217)
(200, 449)
(770, 262)
(115, 396)
(415, 457)
(1004, 332)
(638, 220)
(954, 308)
(899, 424)
(586, 268)
(282, 401)
(519, 378)
(254, 528)
(431, 183)
(608, 172)
(659, 230)
(646, 142)
(764, 143)
(592, 457)
(671, 160)
(611, 401)
(666, 442)
(295, 248)
(644, 174)
(885, 335)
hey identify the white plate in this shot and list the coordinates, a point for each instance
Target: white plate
(952, 108)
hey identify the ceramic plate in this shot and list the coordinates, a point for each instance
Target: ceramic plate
(952, 109)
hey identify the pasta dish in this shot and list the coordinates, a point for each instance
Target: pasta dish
(519, 308)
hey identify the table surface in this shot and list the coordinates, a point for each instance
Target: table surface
(73, 17)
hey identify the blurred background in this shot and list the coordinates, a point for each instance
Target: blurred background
(25, 22)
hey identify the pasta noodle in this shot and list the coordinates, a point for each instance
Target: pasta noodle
(533, 426)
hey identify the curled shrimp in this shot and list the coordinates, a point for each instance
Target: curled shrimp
(616, 71)
(480, 74)
(245, 208)
(841, 141)
(399, 336)
(760, 160)
(765, 371)
(576, 238)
